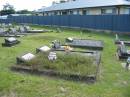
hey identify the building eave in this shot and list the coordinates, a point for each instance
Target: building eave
(86, 8)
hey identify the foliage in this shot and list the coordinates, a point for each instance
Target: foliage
(25, 11)
(7, 9)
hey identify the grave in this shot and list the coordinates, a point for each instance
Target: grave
(2, 31)
(25, 58)
(122, 51)
(126, 65)
(10, 42)
(56, 46)
(9, 32)
(118, 41)
(13, 31)
(58, 30)
(48, 64)
(43, 49)
(10, 35)
(29, 30)
(35, 31)
(22, 29)
(85, 43)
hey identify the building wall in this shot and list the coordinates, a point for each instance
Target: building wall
(75, 12)
(125, 10)
(98, 11)
(94, 11)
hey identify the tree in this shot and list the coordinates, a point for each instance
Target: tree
(25, 11)
(7, 9)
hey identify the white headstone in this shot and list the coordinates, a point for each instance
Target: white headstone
(128, 60)
(10, 24)
(27, 27)
(11, 39)
(124, 65)
(122, 43)
(44, 48)
(22, 29)
(52, 56)
(70, 38)
(1, 30)
(13, 30)
(28, 56)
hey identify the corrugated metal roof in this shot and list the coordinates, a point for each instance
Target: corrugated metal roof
(4, 17)
(85, 4)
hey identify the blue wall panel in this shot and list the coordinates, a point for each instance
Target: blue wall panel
(64, 20)
(88, 21)
(75, 21)
(119, 23)
(55, 20)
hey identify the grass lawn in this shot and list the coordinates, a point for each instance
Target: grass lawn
(113, 80)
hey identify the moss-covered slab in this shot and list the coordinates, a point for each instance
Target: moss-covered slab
(74, 65)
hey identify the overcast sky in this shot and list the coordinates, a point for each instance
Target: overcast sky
(26, 4)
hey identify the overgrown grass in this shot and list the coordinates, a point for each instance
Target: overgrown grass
(113, 81)
(66, 63)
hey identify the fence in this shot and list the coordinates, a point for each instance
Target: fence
(119, 23)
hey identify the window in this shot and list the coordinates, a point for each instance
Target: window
(71, 12)
(64, 13)
(55, 13)
(85, 12)
(78, 12)
(46, 14)
(127, 10)
(108, 11)
(75, 12)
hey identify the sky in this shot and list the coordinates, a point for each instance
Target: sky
(27, 4)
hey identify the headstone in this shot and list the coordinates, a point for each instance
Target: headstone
(124, 66)
(22, 29)
(128, 51)
(11, 39)
(1, 30)
(26, 28)
(117, 38)
(10, 42)
(56, 44)
(10, 24)
(123, 48)
(128, 60)
(52, 56)
(25, 58)
(43, 49)
(3, 24)
(69, 39)
(13, 30)
(122, 43)
(58, 30)
(28, 57)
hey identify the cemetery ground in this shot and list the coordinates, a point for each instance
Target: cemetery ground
(113, 80)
